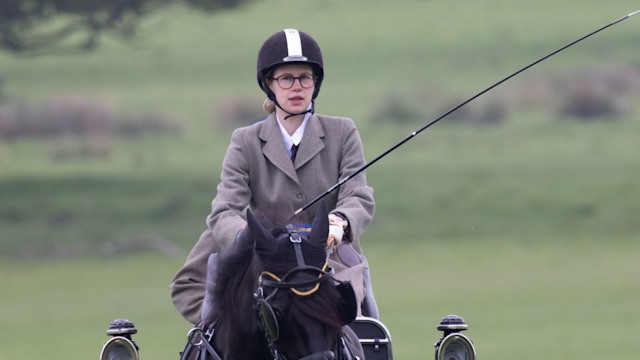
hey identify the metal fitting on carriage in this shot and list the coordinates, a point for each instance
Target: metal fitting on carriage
(453, 345)
(121, 346)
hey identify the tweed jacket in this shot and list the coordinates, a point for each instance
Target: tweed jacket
(257, 173)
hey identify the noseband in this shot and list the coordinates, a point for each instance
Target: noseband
(267, 317)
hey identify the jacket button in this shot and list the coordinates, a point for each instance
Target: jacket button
(299, 196)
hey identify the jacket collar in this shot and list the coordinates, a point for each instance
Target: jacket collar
(274, 149)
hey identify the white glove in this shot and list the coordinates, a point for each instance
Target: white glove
(337, 225)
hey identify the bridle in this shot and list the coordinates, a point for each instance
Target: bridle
(266, 316)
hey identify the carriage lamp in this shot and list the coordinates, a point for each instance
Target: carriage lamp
(453, 345)
(121, 346)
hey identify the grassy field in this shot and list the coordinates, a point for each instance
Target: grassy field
(548, 298)
(527, 228)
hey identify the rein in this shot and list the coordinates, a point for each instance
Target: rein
(279, 283)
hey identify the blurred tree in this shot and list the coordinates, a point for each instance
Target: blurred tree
(30, 25)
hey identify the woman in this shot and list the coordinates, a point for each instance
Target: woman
(280, 163)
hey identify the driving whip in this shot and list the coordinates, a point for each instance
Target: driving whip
(345, 179)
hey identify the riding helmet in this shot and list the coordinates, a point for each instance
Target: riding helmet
(289, 46)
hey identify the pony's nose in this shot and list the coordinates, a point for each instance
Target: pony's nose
(325, 355)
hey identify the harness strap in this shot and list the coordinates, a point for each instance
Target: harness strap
(197, 338)
(283, 284)
(211, 350)
(296, 240)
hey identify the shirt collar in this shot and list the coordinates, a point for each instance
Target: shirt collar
(296, 137)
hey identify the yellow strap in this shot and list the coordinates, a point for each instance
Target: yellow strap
(276, 278)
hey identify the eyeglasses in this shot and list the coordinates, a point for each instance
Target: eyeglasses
(287, 81)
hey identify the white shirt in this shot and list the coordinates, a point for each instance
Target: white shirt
(296, 137)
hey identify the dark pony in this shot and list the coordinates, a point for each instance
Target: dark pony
(275, 298)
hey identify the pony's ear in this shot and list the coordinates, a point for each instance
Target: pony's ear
(320, 227)
(265, 242)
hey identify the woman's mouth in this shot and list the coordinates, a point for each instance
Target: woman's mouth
(296, 100)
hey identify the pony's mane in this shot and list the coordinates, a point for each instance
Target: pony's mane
(237, 272)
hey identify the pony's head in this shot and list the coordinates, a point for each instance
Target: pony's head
(301, 308)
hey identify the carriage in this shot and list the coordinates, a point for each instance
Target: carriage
(276, 298)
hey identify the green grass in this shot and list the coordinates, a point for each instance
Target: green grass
(520, 179)
(61, 310)
(522, 298)
(526, 180)
(527, 229)
(184, 63)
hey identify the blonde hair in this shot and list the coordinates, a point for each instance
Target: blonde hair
(269, 106)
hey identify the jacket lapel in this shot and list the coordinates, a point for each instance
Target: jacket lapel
(273, 148)
(312, 141)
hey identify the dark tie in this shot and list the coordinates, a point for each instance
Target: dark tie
(294, 151)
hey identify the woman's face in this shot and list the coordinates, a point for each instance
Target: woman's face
(297, 97)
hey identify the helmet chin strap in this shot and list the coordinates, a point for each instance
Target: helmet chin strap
(294, 114)
(309, 110)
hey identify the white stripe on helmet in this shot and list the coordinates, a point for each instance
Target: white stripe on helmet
(294, 46)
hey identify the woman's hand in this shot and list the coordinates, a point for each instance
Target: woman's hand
(337, 225)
